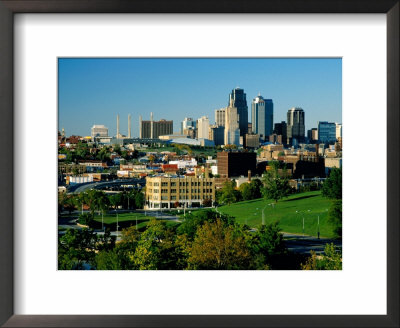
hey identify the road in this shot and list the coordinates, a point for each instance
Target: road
(101, 185)
(304, 244)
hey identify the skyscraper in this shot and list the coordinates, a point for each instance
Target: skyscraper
(202, 127)
(99, 131)
(238, 99)
(232, 132)
(326, 132)
(220, 117)
(153, 129)
(295, 125)
(188, 121)
(262, 116)
(281, 129)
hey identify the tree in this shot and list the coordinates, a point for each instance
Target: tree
(86, 219)
(245, 191)
(115, 200)
(139, 199)
(217, 246)
(275, 186)
(335, 217)
(228, 195)
(82, 150)
(117, 149)
(103, 154)
(266, 243)
(79, 247)
(332, 187)
(255, 188)
(156, 249)
(330, 260)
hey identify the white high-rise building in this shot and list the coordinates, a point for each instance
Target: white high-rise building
(232, 132)
(186, 123)
(220, 117)
(338, 130)
(202, 127)
(99, 131)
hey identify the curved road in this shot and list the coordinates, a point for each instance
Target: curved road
(101, 185)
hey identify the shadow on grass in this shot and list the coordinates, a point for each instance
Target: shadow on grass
(298, 198)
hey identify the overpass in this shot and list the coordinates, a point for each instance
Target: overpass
(136, 183)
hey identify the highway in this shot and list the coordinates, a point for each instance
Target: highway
(76, 189)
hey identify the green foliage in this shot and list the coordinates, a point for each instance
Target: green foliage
(155, 249)
(228, 194)
(332, 187)
(331, 260)
(275, 186)
(217, 246)
(103, 154)
(85, 219)
(251, 190)
(335, 217)
(78, 247)
(82, 150)
(193, 221)
(117, 149)
(139, 199)
(265, 244)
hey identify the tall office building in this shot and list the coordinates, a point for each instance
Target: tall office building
(326, 132)
(281, 130)
(220, 117)
(232, 131)
(216, 133)
(153, 129)
(295, 125)
(238, 99)
(262, 116)
(99, 131)
(188, 121)
(338, 130)
(118, 134)
(202, 127)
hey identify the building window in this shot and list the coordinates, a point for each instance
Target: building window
(156, 190)
(156, 184)
(173, 191)
(173, 184)
(164, 197)
(173, 197)
(164, 184)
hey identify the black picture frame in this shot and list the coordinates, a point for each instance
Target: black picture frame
(10, 7)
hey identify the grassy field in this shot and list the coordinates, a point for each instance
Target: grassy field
(309, 205)
(126, 220)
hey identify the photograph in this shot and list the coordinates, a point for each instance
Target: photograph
(199, 163)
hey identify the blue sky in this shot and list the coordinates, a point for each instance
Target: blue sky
(94, 91)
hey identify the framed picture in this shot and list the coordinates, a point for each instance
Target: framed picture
(364, 293)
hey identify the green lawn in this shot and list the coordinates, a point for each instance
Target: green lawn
(310, 205)
(127, 219)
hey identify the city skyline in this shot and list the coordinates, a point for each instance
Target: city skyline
(95, 91)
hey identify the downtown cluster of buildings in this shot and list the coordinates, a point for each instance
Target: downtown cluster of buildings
(174, 180)
(231, 127)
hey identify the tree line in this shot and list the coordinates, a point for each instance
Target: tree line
(97, 200)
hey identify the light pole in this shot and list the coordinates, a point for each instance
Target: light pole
(116, 212)
(318, 227)
(102, 220)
